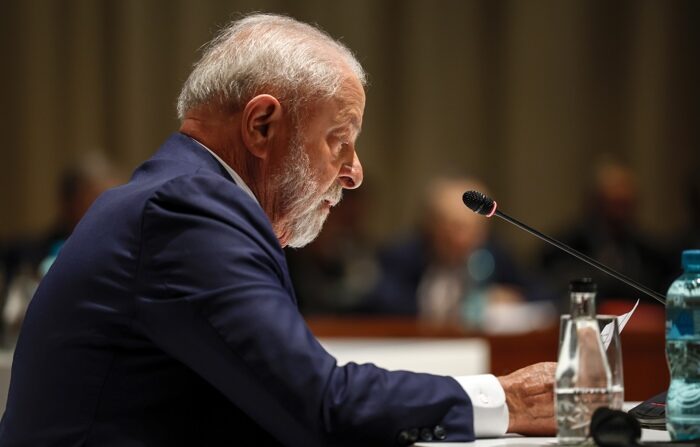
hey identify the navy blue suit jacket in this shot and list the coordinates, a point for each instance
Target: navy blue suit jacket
(169, 319)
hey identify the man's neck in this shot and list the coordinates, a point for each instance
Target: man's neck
(220, 134)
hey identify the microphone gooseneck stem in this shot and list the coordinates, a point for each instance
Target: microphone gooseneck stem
(630, 282)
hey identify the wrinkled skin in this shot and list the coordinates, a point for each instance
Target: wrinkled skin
(530, 398)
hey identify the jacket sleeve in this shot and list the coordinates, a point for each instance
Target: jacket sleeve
(214, 294)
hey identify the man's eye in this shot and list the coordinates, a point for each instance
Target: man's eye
(340, 143)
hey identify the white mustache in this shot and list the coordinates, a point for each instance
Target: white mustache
(334, 196)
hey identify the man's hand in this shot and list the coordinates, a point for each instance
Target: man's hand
(530, 399)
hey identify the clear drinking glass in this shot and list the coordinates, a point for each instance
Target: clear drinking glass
(611, 337)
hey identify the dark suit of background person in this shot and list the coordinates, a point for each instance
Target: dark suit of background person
(405, 262)
(334, 274)
(169, 319)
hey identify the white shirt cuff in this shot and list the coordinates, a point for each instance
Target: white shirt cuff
(489, 404)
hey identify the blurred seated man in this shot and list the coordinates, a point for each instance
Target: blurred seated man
(609, 232)
(451, 270)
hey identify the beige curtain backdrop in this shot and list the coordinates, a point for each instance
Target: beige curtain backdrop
(524, 94)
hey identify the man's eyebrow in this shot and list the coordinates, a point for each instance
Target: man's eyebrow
(351, 118)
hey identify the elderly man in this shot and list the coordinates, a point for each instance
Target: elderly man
(169, 317)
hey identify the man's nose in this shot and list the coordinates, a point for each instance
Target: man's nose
(351, 173)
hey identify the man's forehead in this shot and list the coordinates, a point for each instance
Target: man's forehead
(344, 109)
(351, 116)
(350, 110)
(351, 96)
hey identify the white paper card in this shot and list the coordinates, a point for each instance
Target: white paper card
(607, 332)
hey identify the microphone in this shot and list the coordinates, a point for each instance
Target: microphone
(486, 206)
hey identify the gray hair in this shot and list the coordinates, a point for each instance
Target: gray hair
(265, 53)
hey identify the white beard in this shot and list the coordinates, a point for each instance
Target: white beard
(301, 198)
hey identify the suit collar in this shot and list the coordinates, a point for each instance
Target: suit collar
(180, 147)
(234, 175)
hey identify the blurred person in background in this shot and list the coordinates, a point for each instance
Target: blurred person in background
(609, 232)
(26, 261)
(334, 273)
(451, 271)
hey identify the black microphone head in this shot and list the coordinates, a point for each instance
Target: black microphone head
(479, 203)
(614, 428)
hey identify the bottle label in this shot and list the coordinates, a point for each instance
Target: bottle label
(682, 325)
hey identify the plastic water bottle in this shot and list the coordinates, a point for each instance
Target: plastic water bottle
(583, 379)
(683, 350)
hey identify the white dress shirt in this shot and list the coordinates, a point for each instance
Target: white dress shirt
(485, 391)
(489, 403)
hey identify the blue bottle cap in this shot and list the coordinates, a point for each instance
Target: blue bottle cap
(690, 260)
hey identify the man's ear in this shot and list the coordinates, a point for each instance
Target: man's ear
(261, 121)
